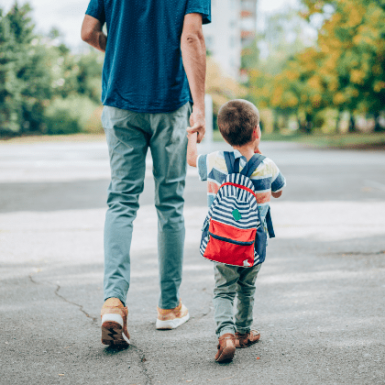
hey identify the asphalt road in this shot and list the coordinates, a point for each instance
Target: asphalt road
(320, 302)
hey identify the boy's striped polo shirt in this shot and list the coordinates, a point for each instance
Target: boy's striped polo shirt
(266, 178)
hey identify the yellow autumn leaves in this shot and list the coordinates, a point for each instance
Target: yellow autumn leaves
(344, 70)
(222, 88)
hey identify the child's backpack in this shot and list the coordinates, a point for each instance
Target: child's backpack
(233, 232)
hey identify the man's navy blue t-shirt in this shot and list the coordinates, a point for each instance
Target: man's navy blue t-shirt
(143, 69)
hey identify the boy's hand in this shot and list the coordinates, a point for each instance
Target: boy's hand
(276, 194)
(193, 136)
(192, 152)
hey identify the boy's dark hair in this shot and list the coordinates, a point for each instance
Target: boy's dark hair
(237, 120)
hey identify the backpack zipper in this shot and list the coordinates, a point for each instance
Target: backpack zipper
(230, 240)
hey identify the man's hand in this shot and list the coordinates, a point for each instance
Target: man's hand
(197, 123)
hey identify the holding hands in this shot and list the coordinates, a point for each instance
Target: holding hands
(197, 123)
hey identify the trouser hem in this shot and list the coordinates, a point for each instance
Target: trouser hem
(123, 301)
(168, 307)
(225, 331)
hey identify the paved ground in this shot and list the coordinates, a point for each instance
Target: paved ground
(320, 294)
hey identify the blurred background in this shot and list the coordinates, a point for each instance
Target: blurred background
(315, 69)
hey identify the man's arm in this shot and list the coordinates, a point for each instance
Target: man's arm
(92, 33)
(194, 62)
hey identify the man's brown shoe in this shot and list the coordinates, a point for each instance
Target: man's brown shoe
(247, 339)
(114, 324)
(172, 318)
(226, 348)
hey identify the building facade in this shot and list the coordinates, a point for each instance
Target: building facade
(248, 17)
(232, 28)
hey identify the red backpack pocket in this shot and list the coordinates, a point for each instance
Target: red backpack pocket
(230, 245)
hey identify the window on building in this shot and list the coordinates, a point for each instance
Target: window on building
(247, 5)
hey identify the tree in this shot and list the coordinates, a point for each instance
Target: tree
(344, 70)
(274, 79)
(352, 42)
(25, 83)
(41, 81)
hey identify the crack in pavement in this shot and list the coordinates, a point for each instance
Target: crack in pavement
(140, 352)
(364, 253)
(94, 319)
(142, 365)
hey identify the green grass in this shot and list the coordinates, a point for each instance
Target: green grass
(356, 140)
(345, 141)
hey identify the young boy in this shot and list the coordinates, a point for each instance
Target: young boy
(238, 122)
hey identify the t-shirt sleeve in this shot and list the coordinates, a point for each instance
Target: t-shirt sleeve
(202, 167)
(278, 181)
(200, 6)
(96, 10)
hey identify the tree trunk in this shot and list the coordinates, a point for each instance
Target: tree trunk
(275, 124)
(309, 123)
(377, 126)
(338, 122)
(352, 123)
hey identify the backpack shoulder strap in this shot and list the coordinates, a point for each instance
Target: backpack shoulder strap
(252, 164)
(231, 163)
(269, 224)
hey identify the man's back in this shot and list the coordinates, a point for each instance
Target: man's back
(143, 69)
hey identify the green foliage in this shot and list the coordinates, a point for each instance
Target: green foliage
(343, 71)
(89, 81)
(37, 75)
(250, 55)
(19, 63)
(69, 115)
(285, 36)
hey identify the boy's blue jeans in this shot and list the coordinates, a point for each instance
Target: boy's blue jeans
(231, 281)
(129, 135)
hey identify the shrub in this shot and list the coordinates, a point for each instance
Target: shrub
(70, 115)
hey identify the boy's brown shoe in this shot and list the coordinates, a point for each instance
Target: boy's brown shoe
(226, 348)
(247, 339)
(114, 324)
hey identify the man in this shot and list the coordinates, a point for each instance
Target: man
(150, 47)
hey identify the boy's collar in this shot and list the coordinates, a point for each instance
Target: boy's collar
(237, 154)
